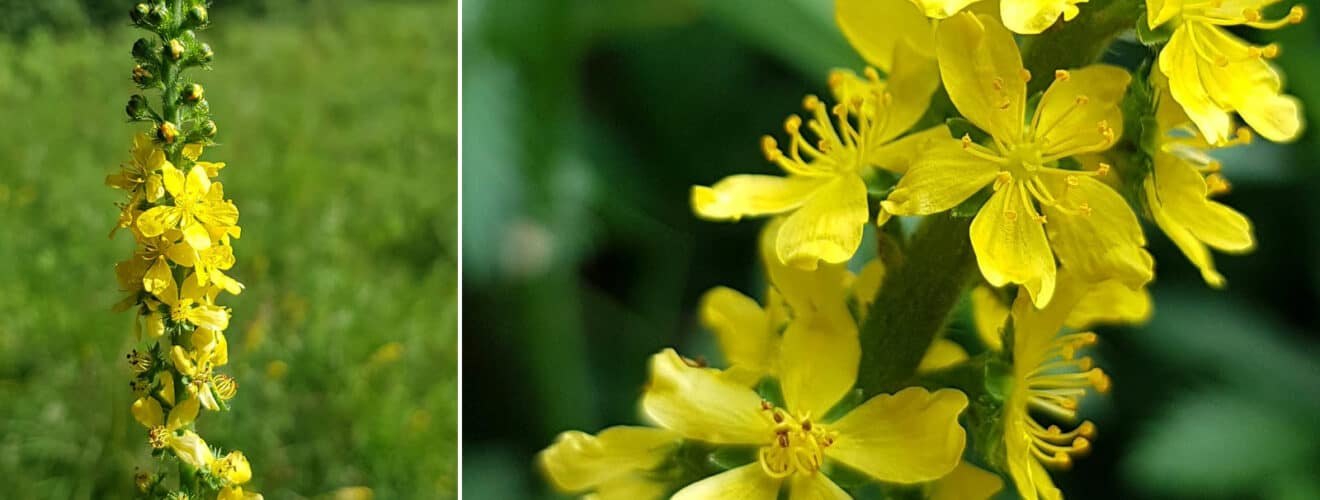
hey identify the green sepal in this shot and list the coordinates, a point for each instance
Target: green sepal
(1152, 37)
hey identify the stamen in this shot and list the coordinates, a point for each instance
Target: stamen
(1216, 184)
(1026, 75)
(1061, 75)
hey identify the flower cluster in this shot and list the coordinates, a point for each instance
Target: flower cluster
(1045, 193)
(183, 226)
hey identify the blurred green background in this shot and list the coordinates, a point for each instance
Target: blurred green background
(587, 122)
(338, 122)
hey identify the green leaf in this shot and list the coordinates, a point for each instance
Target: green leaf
(1149, 37)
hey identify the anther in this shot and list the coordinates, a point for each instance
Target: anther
(1084, 208)
(967, 141)
(1087, 429)
(1296, 14)
(871, 74)
(1010, 215)
(1061, 75)
(1026, 75)
(998, 83)
(810, 102)
(1217, 184)
(1251, 15)
(806, 425)
(766, 406)
(1082, 100)
(779, 417)
(771, 149)
(1103, 169)
(783, 440)
(1072, 181)
(1039, 218)
(792, 124)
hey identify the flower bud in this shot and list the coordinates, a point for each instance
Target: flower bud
(208, 128)
(174, 50)
(192, 92)
(157, 15)
(137, 107)
(142, 49)
(139, 13)
(141, 75)
(167, 132)
(205, 55)
(201, 107)
(143, 481)
(197, 17)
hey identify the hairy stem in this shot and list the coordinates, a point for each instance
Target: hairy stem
(915, 302)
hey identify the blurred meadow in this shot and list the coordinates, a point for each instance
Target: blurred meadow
(338, 123)
(586, 124)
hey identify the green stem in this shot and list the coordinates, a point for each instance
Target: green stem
(1079, 42)
(915, 303)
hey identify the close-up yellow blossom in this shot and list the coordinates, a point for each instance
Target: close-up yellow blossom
(1026, 17)
(1177, 193)
(907, 437)
(1039, 211)
(1048, 379)
(1213, 73)
(825, 193)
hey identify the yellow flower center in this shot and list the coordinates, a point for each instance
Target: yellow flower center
(1054, 387)
(158, 436)
(797, 446)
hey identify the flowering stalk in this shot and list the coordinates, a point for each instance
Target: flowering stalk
(182, 226)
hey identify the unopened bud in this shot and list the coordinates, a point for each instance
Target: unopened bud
(142, 49)
(143, 481)
(137, 107)
(204, 54)
(139, 13)
(167, 132)
(201, 107)
(192, 92)
(141, 75)
(208, 128)
(158, 15)
(174, 49)
(197, 17)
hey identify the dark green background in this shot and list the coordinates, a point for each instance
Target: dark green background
(338, 121)
(587, 122)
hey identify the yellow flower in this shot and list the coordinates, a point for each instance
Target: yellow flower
(614, 464)
(1027, 17)
(171, 432)
(1213, 73)
(140, 176)
(209, 263)
(198, 208)
(233, 468)
(824, 193)
(1048, 378)
(903, 25)
(193, 303)
(1090, 227)
(966, 482)
(1177, 192)
(908, 437)
(749, 336)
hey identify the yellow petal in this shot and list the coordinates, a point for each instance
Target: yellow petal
(1030, 17)
(859, 19)
(1032, 480)
(828, 226)
(738, 196)
(1010, 244)
(989, 313)
(899, 156)
(699, 404)
(1079, 113)
(818, 363)
(159, 277)
(1161, 11)
(166, 387)
(744, 332)
(209, 316)
(942, 353)
(748, 482)
(147, 411)
(821, 290)
(1181, 194)
(914, 78)
(1110, 302)
(983, 74)
(631, 487)
(908, 437)
(941, 9)
(194, 233)
(1094, 232)
(191, 449)
(238, 470)
(156, 220)
(183, 414)
(173, 177)
(578, 461)
(944, 176)
(967, 482)
(815, 487)
(197, 182)
(192, 151)
(868, 284)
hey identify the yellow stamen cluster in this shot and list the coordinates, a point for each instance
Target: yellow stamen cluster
(1054, 387)
(798, 445)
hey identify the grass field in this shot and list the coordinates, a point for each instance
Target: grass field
(338, 126)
